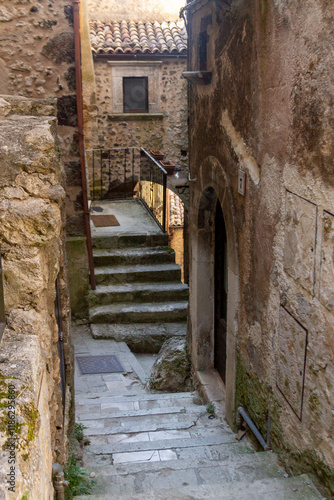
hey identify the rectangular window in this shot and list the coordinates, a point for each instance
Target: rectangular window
(203, 51)
(135, 94)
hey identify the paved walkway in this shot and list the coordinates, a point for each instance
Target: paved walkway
(164, 446)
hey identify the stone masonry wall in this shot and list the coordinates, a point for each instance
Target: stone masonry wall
(269, 112)
(167, 132)
(37, 60)
(32, 221)
(159, 10)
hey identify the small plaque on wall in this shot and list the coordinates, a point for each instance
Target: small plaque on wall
(241, 182)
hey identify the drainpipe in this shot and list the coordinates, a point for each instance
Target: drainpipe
(58, 481)
(243, 415)
(78, 78)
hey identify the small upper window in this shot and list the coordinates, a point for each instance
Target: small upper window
(135, 94)
(203, 51)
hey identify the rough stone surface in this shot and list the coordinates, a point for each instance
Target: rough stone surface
(32, 218)
(37, 59)
(270, 116)
(171, 370)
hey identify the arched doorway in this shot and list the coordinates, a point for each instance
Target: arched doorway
(214, 286)
(221, 293)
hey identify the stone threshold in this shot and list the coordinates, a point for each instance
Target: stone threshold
(212, 390)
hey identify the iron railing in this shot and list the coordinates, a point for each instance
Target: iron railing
(122, 173)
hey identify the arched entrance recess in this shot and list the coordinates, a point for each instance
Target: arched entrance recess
(213, 315)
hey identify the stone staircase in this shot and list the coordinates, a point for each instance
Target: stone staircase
(139, 297)
(164, 446)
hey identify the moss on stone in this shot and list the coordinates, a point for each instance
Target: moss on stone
(257, 397)
(31, 419)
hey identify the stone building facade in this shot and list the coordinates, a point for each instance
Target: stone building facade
(36, 365)
(261, 217)
(124, 41)
(37, 61)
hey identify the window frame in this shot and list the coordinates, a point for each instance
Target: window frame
(147, 105)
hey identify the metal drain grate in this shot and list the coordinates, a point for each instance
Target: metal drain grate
(99, 364)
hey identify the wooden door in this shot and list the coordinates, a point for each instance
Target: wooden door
(220, 293)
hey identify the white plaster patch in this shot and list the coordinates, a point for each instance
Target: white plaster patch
(247, 161)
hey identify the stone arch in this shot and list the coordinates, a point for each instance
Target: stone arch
(212, 187)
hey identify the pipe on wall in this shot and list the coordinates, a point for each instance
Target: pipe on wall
(78, 78)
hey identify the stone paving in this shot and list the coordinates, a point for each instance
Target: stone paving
(163, 445)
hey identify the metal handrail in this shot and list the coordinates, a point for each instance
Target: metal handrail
(116, 171)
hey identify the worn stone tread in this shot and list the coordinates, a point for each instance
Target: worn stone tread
(143, 255)
(143, 312)
(140, 337)
(164, 444)
(177, 410)
(294, 488)
(130, 240)
(135, 397)
(139, 292)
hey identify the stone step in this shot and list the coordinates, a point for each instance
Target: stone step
(246, 468)
(139, 313)
(294, 488)
(103, 414)
(112, 275)
(138, 292)
(130, 240)
(163, 444)
(127, 256)
(165, 397)
(194, 454)
(234, 454)
(140, 337)
(98, 429)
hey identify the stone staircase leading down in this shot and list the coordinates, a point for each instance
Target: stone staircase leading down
(139, 298)
(164, 446)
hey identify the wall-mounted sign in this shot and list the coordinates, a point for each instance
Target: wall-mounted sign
(2, 303)
(241, 182)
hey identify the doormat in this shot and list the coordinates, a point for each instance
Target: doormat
(99, 364)
(104, 220)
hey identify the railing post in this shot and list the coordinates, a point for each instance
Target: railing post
(164, 210)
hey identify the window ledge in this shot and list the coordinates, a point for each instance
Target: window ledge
(198, 77)
(123, 117)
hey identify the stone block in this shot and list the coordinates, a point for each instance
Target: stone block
(78, 275)
(292, 344)
(300, 240)
(327, 262)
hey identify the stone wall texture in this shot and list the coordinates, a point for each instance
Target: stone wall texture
(158, 10)
(269, 112)
(37, 61)
(166, 130)
(32, 221)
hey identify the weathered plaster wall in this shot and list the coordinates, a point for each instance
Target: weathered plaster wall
(269, 111)
(37, 60)
(167, 131)
(159, 10)
(32, 221)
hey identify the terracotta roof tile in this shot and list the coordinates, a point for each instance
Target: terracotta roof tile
(130, 37)
(176, 210)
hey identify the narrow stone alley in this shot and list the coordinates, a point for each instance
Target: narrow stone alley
(148, 444)
(163, 445)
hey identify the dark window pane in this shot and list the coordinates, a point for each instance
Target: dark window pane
(135, 92)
